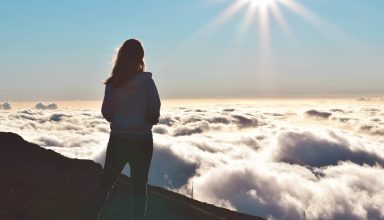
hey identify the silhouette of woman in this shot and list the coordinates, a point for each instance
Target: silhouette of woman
(132, 106)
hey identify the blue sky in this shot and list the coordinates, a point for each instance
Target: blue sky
(62, 50)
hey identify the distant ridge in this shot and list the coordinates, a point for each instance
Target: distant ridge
(41, 184)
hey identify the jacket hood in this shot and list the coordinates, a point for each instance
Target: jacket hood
(138, 80)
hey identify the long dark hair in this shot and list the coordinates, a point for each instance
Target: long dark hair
(129, 62)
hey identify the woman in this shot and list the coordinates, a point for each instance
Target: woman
(132, 105)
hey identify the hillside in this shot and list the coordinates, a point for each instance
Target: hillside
(36, 183)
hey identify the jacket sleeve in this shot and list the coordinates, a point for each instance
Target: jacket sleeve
(109, 105)
(153, 103)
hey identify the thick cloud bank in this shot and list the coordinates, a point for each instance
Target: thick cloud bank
(277, 161)
(310, 149)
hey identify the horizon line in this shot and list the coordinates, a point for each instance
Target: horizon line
(286, 97)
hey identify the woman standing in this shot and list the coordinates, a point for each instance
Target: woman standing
(132, 105)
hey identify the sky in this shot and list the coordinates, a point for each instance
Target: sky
(63, 50)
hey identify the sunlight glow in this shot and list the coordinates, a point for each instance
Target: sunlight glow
(259, 14)
(258, 10)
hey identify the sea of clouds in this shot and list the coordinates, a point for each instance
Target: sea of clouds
(279, 161)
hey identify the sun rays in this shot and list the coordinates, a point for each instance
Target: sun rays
(265, 28)
(259, 14)
(260, 20)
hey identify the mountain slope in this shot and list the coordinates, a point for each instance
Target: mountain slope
(36, 183)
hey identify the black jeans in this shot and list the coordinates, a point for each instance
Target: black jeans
(120, 150)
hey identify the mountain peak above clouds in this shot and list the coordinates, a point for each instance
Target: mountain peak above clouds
(36, 183)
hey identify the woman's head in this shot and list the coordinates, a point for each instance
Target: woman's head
(129, 62)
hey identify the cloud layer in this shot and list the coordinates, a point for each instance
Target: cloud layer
(277, 161)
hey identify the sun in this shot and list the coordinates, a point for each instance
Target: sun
(260, 3)
(256, 11)
(261, 6)
(262, 9)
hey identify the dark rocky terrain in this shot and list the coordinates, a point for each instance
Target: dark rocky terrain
(40, 184)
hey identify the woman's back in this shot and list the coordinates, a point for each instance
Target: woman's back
(132, 108)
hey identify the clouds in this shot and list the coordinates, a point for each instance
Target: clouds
(373, 128)
(244, 121)
(329, 148)
(285, 191)
(370, 99)
(61, 130)
(169, 170)
(271, 164)
(318, 114)
(41, 106)
(5, 106)
(282, 162)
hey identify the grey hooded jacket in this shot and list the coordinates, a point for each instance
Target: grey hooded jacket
(132, 108)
